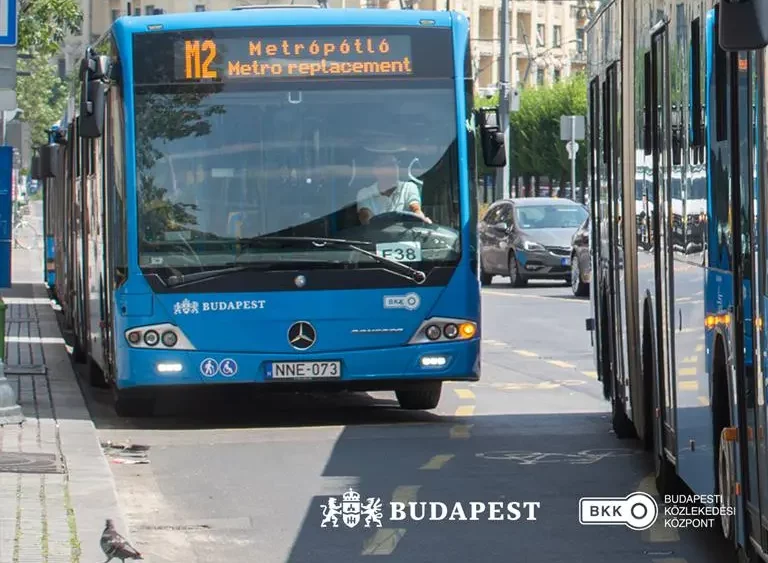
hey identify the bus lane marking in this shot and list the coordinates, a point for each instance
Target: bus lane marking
(385, 540)
(560, 364)
(657, 533)
(461, 431)
(438, 461)
(526, 353)
(464, 393)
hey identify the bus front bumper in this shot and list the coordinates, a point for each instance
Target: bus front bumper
(373, 369)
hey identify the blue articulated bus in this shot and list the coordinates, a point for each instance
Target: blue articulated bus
(283, 197)
(678, 126)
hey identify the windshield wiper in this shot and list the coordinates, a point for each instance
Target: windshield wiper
(173, 281)
(320, 242)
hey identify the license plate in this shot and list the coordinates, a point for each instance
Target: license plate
(565, 261)
(303, 370)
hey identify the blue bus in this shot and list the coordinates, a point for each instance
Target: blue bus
(283, 197)
(681, 344)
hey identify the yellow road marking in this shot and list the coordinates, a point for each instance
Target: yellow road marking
(437, 461)
(464, 393)
(465, 410)
(690, 360)
(703, 400)
(656, 533)
(405, 493)
(670, 560)
(526, 353)
(590, 374)
(687, 372)
(688, 385)
(700, 347)
(528, 295)
(460, 431)
(560, 364)
(383, 542)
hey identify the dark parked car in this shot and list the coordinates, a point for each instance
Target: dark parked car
(529, 238)
(581, 267)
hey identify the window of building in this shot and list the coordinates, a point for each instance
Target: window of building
(580, 40)
(556, 75)
(557, 35)
(540, 77)
(540, 35)
(200, 8)
(115, 14)
(149, 10)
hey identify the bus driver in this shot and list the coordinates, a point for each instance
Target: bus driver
(388, 194)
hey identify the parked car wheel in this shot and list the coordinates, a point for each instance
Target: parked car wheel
(515, 275)
(579, 288)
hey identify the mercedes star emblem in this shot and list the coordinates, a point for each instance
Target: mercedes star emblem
(302, 335)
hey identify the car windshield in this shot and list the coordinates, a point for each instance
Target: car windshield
(218, 165)
(550, 216)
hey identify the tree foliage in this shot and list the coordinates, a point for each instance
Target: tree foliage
(535, 130)
(42, 95)
(536, 148)
(43, 24)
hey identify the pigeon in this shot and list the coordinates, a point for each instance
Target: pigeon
(114, 545)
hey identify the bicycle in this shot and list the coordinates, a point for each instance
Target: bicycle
(25, 235)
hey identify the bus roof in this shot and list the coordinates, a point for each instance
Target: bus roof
(284, 16)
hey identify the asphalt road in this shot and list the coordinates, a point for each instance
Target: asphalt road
(245, 480)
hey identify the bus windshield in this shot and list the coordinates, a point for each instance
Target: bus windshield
(234, 165)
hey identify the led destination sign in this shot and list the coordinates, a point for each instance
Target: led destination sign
(227, 59)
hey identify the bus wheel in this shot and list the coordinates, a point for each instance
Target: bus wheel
(725, 481)
(128, 404)
(423, 396)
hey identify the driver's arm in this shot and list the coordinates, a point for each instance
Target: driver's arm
(414, 202)
(365, 215)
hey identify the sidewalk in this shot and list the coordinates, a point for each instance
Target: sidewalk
(56, 488)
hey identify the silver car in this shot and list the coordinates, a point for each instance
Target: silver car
(529, 238)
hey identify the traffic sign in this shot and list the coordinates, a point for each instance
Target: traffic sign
(8, 23)
(571, 127)
(573, 148)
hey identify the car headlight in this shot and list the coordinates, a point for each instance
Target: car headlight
(530, 245)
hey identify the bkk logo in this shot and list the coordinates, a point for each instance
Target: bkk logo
(350, 510)
(187, 307)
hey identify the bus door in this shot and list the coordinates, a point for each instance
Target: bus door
(751, 78)
(660, 119)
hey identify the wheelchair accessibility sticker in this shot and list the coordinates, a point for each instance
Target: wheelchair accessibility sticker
(228, 367)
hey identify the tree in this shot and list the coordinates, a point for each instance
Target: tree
(42, 95)
(535, 130)
(43, 24)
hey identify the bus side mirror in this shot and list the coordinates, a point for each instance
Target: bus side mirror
(49, 160)
(743, 24)
(91, 109)
(35, 168)
(491, 138)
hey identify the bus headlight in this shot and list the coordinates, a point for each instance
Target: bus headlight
(160, 336)
(170, 339)
(151, 338)
(444, 330)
